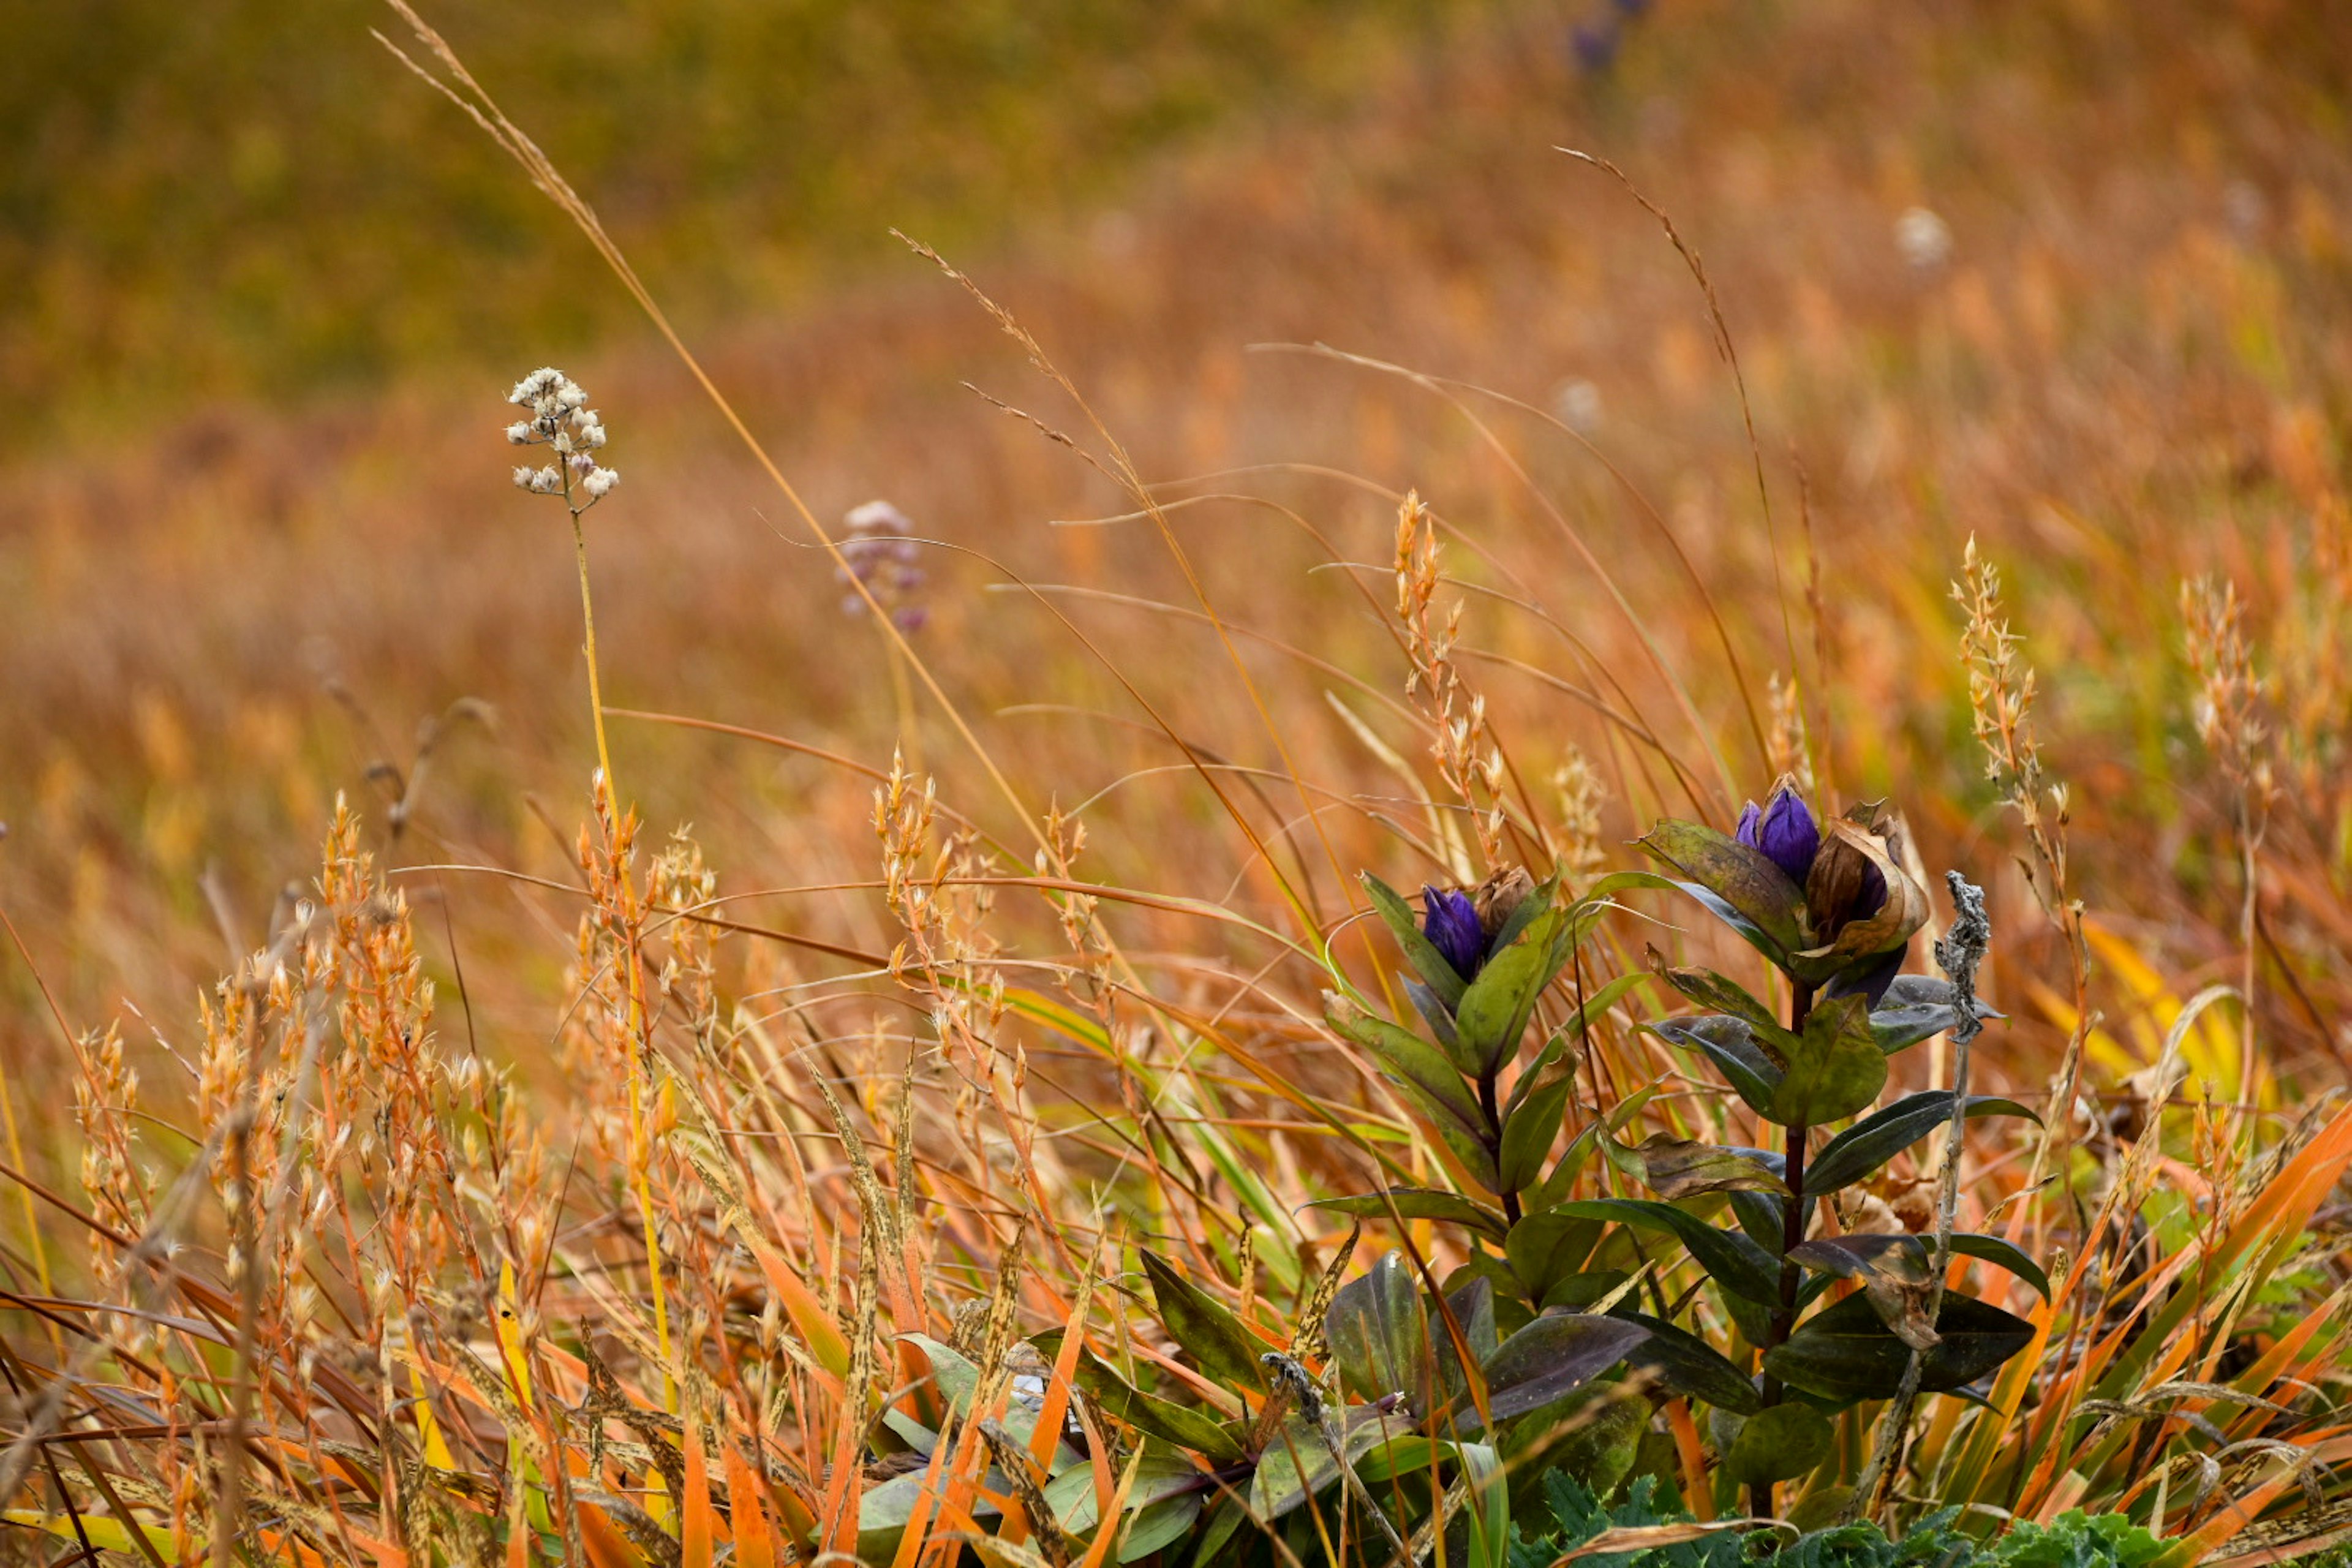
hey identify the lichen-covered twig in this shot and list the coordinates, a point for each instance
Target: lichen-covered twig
(1958, 953)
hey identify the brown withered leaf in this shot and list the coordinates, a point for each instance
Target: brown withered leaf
(1848, 851)
(1685, 1168)
(1498, 897)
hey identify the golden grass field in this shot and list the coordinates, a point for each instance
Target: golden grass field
(864, 1050)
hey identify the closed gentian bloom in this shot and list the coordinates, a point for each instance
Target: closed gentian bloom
(1449, 920)
(1783, 830)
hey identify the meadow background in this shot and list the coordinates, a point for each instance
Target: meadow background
(260, 550)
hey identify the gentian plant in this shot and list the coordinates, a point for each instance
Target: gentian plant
(1550, 1309)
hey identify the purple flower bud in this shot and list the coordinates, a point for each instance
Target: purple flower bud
(911, 618)
(1450, 921)
(909, 579)
(1784, 832)
(1873, 896)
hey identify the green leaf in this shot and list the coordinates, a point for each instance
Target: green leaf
(1730, 1044)
(1586, 1291)
(1158, 1475)
(1378, 1330)
(1409, 1058)
(1299, 1463)
(1533, 1122)
(1862, 1147)
(1473, 1310)
(1495, 1009)
(1685, 1168)
(1689, 1366)
(1736, 1263)
(1837, 1069)
(2004, 1254)
(1845, 1352)
(1419, 951)
(1419, 1203)
(1198, 1323)
(1915, 1007)
(952, 1373)
(1228, 1515)
(1551, 1359)
(1177, 1423)
(1717, 994)
(1159, 1524)
(1738, 885)
(1779, 1445)
(1433, 1012)
(1546, 1246)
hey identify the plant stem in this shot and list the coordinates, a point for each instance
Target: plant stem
(640, 1134)
(1792, 1234)
(1489, 1102)
(588, 623)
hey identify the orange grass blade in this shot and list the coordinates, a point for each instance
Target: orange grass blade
(755, 1545)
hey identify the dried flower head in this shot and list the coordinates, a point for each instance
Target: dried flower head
(562, 421)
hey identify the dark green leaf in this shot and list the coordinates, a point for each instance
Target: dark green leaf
(1838, 1068)
(1846, 1353)
(1742, 888)
(1218, 1343)
(1779, 1445)
(1228, 1515)
(1763, 1217)
(1717, 994)
(1473, 1310)
(1584, 1290)
(1736, 1263)
(1862, 1147)
(1409, 1058)
(1551, 1359)
(1730, 1044)
(1915, 1007)
(1378, 1330)
(1546, 1246)
(1567, 1035)
(1398, 916)
(1177, 1423)
(1495, 1009)
(1433, 1012)
(1160, 1475)
(1532, 1124)
(1160, 1524)
(1689, 1366)
(1299, 1463)
(2007, 1255)
(1418, 1203)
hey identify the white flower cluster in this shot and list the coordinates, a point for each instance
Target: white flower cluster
(560, 418)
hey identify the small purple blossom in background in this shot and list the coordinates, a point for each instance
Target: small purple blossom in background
(1783, 830)
(878, 555)
(1449, 920)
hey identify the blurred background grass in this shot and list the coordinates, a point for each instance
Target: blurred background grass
(248, 200)
(267, 290)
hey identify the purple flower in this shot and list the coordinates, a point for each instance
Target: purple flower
(1784, 832)
(1449, 920)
